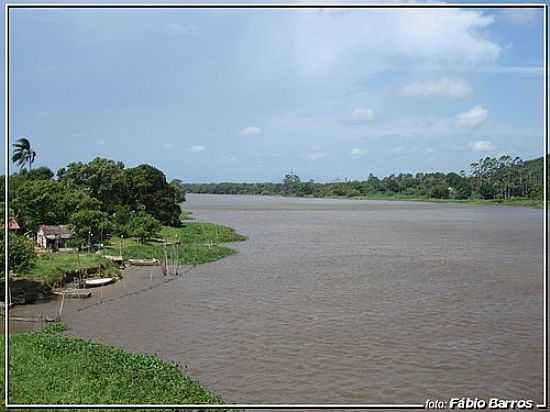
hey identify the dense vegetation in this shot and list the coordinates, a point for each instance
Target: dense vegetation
(20, 254)
(98, 199)
(49, 368)
(87, 194)
(504, 178)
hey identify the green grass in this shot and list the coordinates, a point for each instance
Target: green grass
(49, 368)
(522, 202)
(186, 215)
(198, 243)
(52, 267)
(201, 232)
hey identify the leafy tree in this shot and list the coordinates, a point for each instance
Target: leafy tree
(47, 202)
(41, 173)
(440, 191)
(20, 253)
(291, 183)
(148, 188)
(104, 178)
(90, 226)
(487, 190)
(144, 226)
(23, 153)
(121, 220)
(179, 189)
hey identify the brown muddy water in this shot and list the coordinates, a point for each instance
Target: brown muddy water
(343, 301)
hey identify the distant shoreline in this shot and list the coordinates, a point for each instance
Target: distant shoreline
(529, 203)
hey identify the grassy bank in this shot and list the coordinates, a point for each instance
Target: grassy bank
(47, 367)
(522, 202)
(198, 243)
(52, 267)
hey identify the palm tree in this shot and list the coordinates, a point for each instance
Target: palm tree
(23, 153)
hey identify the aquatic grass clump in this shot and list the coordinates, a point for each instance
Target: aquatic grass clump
(47, 367)
(191, 244)
(201, 232)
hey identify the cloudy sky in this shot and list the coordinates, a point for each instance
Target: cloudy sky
(247, 95)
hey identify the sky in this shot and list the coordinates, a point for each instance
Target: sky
(211, 95)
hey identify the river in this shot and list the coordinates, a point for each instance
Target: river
(343, 301)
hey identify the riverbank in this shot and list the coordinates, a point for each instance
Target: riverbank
(193, 243)
(518, 202)
(515, 202)
(50, 368)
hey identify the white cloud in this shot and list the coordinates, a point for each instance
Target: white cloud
(473, 117)
(250, 131)
(101, 142)
(168, 146)
(356, 152)
(316, 156)
(362, 114)
(176, 28)
(441, 87)
(321, 42)
(197, 148)
(481, 146)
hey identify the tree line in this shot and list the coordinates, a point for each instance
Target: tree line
(489, 178)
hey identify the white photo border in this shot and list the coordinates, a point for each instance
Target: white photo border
(8, 6)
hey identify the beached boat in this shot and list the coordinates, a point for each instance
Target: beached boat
(115, 259)
(144, 262)
(72, 293)
(97, 282)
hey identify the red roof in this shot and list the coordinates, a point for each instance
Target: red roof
(12, 224)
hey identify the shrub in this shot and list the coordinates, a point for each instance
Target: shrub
(20, 253)
(144, 226)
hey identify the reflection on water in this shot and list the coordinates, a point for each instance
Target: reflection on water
(334, 301)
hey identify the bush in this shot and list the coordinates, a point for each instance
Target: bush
(90, 226)
(144, 226)
(20, 254)
(440, 192)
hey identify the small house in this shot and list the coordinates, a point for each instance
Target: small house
(52, 236)
(12, 225)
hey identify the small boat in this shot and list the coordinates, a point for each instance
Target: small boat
(144, 262)
(115, 259)
(72, 293)
(97, 282)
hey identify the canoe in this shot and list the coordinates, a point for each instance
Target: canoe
(98, 282)
(72, 293)
(144, 262)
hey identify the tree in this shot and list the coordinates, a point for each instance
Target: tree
(23, 154)
(440, 191)
(179, 190)
(90, 226)
(104, 178)
(40, 173)
(291, 183)
(20, 254)
(47, 202)
(144, 226)
(148, 189)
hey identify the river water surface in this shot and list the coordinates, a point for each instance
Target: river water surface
(343, 301)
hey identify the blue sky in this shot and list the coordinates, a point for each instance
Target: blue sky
(247, 95)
